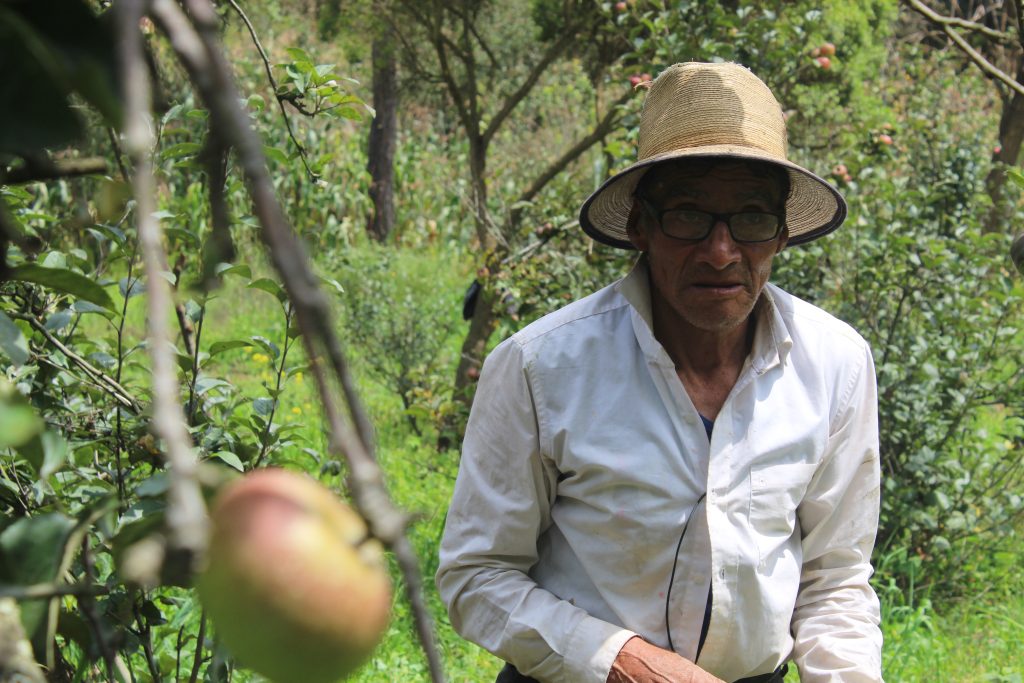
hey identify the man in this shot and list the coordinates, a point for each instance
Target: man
(676, 478)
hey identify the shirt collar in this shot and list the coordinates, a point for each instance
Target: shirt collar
(772, 340)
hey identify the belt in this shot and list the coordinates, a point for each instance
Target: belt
(511, 675)
(774, 677)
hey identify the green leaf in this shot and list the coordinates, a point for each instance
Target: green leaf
(240, 269)
(133, 289)
(66, 281)
(263, 406)
(1016, 175)
(231, 459)
(269, 286)
(18, 424)
(47, 452)
(180, 150)
(276, 154)
(12, 341)
(222, 346)
(38, 550)
(298, 54)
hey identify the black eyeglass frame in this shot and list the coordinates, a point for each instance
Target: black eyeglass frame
(659, 214)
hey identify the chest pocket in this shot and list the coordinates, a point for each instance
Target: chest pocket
(775, 493)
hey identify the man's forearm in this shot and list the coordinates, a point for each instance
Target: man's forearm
(640, 662)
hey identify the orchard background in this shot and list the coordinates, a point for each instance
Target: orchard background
(136, 209)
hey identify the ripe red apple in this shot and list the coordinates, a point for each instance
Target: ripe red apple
(885, 139)
(645, 77)
(997, 149)
(824, 62)
(828, 49)
(621, 7)
(294, 587)
(635, 80)
(839, 170)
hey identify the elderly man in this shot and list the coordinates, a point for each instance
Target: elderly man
(676, 478)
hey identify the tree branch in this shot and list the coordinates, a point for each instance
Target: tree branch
(944, 21)
(603, 127)
(513, 100)
(198, 49)
(51, 169)
(988, 67)
(186, 517)
(42, 591)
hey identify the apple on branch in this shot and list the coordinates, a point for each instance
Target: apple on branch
(294, 585)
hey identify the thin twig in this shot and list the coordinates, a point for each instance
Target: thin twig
(101, 379)
(118, 154)
(197, 659)
(265, 438)
(186, 511)
(277, 95)
(202, 57)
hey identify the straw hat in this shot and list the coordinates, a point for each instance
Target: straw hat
(712, 110)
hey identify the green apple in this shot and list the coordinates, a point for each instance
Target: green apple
(295, 588)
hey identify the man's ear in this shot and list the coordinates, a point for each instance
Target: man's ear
(635, 230)
(783, 239)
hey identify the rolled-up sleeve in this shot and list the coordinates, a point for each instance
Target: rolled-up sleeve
(836, 620)
(501, 504)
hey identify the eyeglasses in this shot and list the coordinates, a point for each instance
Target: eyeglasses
(689, 224)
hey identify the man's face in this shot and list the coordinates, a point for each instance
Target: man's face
(712, 284)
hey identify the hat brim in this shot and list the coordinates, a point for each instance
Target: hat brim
(814, 207)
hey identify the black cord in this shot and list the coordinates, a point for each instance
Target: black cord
(672, 577)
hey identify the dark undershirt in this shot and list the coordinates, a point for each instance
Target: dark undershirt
(708, 426)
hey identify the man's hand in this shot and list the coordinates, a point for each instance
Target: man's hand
(640, 662)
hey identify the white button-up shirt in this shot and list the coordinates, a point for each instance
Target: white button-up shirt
(584, 458)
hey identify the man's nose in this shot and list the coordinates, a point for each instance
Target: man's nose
(719, 249)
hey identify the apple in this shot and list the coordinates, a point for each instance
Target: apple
(621, 7)
(645, 77)
(997, 149)
(885, 139)
(473, 372)
(294, 586)
(840, 170)
(828, 49)
(824, 62)
(635, 80)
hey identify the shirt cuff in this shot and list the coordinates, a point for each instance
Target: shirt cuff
(593, 646)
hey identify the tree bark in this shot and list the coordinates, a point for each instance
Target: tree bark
(474, 345)
(1011, 134)
(383, 134)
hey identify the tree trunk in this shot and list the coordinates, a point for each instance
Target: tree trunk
(481, 327)
(1011, 134)
(383, 133)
